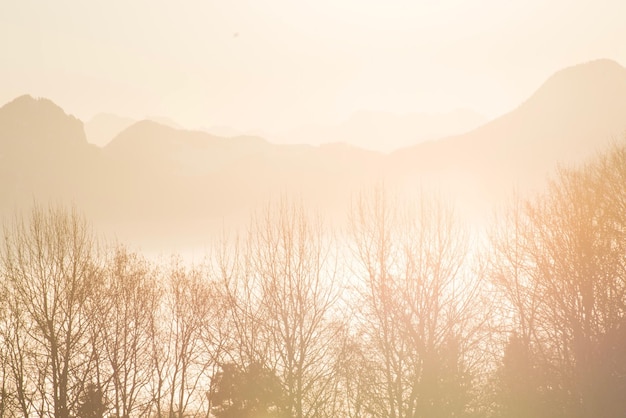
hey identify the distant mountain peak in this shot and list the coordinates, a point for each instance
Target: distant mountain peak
(27, 103)
(581, 83)
(103, 127)
(149, 124)
(40, 123)
(575, 113)
(591, 72)
(24, 100)
(592, 67)
(145, 136)
(27, 98)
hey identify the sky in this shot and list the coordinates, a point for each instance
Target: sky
(272, 65)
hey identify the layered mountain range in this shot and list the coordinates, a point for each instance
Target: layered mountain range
(157, 183)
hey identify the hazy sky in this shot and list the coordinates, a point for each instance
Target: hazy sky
(276, 64)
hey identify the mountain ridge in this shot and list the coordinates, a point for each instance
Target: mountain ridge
(151, 178)
(54, 127)
(550, 116)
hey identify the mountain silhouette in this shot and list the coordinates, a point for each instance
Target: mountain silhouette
(33, 124)
(236, 172)
(44, 155)
(103, 127)
(576, 113)
(154, 184)
(187, 152)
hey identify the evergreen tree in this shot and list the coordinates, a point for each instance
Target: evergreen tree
(248, 393)
(92, 403)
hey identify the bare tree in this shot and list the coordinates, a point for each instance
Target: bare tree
(517, 385)
(297, 278)
(283, 305)
(50, 266)
(566, 284)
(420, 312)
(19, 371)
(129, 301)
(183, 368)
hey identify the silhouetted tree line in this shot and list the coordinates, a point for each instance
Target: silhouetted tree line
(406, 314)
